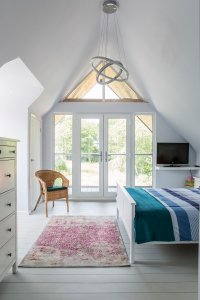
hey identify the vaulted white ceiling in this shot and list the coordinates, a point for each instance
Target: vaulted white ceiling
(57, 38)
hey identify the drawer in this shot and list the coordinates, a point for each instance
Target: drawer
(7, 204)
(7, 229)
(7, 151)
(7, 175)
(7, 254)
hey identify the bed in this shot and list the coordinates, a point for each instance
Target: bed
(159, 215)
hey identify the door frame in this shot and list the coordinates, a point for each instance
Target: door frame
(39, 156)
(103, 192)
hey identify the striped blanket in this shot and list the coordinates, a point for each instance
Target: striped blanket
(183, 206)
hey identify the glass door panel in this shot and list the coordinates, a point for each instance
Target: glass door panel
(90, 154)
(143, 149)
(143, 170)
(116, 156)
(116, 171)
(63, 146)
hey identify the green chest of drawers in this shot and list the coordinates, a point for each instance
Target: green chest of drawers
(8, 249)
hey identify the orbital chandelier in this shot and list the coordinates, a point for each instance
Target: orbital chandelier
(101, 63)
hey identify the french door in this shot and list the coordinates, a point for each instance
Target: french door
(102, 155)
(95, 151)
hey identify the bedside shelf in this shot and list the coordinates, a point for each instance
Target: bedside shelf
(189, 168)
(197, 182)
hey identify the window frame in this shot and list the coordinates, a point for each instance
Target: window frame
(133, 154)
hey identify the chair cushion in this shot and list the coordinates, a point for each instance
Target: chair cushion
(56, 188)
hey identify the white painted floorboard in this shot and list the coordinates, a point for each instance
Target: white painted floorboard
(161, 272)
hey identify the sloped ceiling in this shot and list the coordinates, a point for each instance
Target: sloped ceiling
(17, 83)
(57, 38)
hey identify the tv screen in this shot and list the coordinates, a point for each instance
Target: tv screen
(172, 153)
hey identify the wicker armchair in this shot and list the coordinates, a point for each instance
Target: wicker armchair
(48, 190)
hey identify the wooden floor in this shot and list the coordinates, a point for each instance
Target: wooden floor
(162, 272)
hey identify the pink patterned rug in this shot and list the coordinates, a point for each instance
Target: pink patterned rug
(71, 241)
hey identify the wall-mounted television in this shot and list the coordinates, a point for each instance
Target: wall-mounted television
(173, 153)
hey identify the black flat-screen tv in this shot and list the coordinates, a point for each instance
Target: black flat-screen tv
(173, 153)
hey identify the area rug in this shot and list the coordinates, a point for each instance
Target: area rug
(78, 241)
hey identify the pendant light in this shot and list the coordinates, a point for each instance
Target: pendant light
(101, 63)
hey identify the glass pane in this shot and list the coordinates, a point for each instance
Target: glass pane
(116, 170)
(63, 145)
(90, 173)
(89, 136)
(94, 93)
(143, 134)
(143, 170)
(90, 157)
(89, 89)
(109, 94)
(117, 136)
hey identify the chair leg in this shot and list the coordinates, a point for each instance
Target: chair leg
(46, 206)
(67, 201)
(38, 200)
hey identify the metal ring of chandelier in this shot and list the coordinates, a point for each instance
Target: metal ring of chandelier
(121, 75)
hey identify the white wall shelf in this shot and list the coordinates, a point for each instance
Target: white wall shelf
(188, 168)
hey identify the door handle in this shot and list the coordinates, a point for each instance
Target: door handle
(101, 156)
(8, 175)
(32, 159)
(12, 151)
(106, 156)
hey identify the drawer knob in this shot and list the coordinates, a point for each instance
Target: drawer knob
(8, 204)
(8, 175)
(9, 229)
(13, 151)
(0, 151)
(9, 254)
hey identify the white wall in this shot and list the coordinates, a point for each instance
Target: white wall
(163, 56)
(18, 89)
(14, 124)
(164, 132)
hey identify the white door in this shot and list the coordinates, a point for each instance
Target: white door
(103, 156)
(34, 159)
